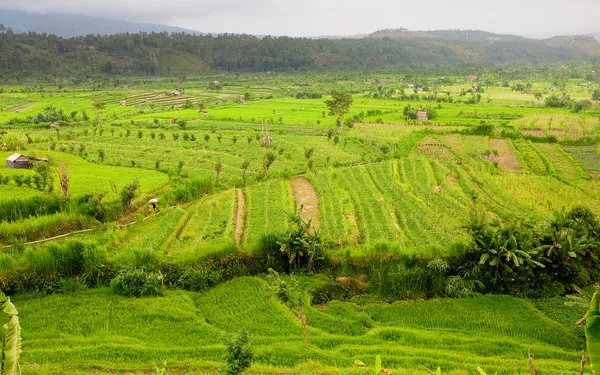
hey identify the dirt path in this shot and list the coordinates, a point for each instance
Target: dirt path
(307, 201)
(507, 159)
(239, 216)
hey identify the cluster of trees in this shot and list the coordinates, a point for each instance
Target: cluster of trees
(143, 53)
(565, 101)
(41, 180)
(515, 259)
(410, 112)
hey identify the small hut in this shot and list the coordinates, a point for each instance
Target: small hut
(204, 111)
(123, 102)
(242, 101)
(17, 161)
(175, 93)
(55, 125)
(422, 116)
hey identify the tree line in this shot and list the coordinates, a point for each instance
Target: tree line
(177, 53)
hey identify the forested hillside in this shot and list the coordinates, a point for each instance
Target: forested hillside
(179, 53)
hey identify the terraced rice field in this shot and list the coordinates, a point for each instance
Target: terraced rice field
(563, 163)
(376, 221)
(588, 158)
(494, 332)
(434, 148)
(559, 125)
(209, 228)
(532, 159)
(165, 99)
(336, 213)
(87, 177)
(268, 206)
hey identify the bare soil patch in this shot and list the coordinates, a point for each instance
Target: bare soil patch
(239, 216)
(307, 201)
(18, 108)
(432, 147)
(506, 158)
(534, 132)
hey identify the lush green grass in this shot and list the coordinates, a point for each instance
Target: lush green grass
(87, 177)
(564, 164)
(10, 192)
(209, 227)
(376, 221)
(587, 157)
(268, 206)
(101, 332)
(335, 207)
(532, 159)
(395, 187)
(149, 237)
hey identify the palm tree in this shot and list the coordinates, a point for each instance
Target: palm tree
(504, 250)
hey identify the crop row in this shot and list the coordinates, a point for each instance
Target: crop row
(376, 221)
(564, 164)
(531, 157)
(268, 206)
(587, 157)
(333, 201)
(210, 227)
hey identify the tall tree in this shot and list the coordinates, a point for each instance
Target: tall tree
(339, 105)
(99, 107)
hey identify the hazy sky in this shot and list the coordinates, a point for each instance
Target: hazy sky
(535, 18)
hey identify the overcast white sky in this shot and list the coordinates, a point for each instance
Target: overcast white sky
(536, 18)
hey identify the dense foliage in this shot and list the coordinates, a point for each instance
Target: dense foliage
(163, 53)
(238, 353)
(137, 283)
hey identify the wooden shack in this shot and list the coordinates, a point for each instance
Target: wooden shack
(17, 161)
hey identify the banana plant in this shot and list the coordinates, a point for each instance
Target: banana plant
(10, 337)
(592, 332)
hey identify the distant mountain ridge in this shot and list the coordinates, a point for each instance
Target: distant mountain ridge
(68, 25)
(118, 48)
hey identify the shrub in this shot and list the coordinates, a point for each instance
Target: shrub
(238, 353)
(300, 245)
(190, 190)
(325, 293)
(90, 205)
(128, 192)
(137, 283)
(198, 280)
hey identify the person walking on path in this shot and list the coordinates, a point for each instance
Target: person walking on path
(154, 203)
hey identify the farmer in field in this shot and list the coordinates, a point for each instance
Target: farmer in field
(154, 202)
